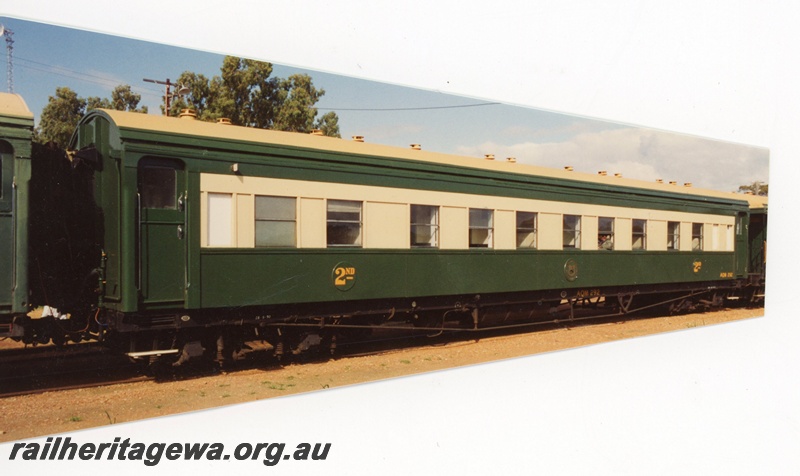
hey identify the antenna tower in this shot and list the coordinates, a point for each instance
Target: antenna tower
(9, 49)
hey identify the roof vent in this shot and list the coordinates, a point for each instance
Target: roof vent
(489, 156)
(188, 114)
(416, 146)
(358, 138)
(511, 160)
(618, 175)
(317, 132)
(602, 172)
(659, 180)
(687, 184)
(672, 182)
(569, 168)
(224, 120)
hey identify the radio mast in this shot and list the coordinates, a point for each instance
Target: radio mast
(9, 49)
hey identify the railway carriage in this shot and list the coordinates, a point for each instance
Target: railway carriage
(208, 238)
(16, 127)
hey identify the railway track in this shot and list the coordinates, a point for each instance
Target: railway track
(50, 368)
(34, 370)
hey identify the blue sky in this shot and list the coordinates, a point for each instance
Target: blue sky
(92, 64)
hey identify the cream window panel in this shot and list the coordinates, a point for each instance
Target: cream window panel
(220, 220)
(505, 230)
(715, 238)
(311, 231)
(454, 228)
(245, 223)
(551, 228)
(686, 236)
(386, 225)
(656, 235)
(589, 229)
(623, 234)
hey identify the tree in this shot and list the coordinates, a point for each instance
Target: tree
(60, 117)
(64, 110)
(199, 96)
(756, 188)
(123, 99)
(246, 93)
(328, 124)
(296, 111)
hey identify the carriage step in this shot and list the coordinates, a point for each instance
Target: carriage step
(151, 353)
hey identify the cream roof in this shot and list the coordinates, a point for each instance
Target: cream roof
(14, 105)
(195, 127)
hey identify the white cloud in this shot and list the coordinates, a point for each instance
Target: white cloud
(643, 154)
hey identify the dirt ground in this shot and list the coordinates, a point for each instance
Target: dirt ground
(57, 412)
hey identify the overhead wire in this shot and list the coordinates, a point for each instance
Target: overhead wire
(103, 81)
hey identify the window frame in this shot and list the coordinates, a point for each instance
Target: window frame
(698, 236)
(532, 231)
(359, 241)
(274, 219)
(433, 226)
(153, 193)
(488, 242)
(607, 245)
(635, 234)
(575, 232)
(674, 235)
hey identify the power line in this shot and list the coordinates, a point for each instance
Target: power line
(409, 108)
(81, 76)
(66, 72)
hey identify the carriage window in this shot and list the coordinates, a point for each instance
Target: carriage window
(276, 221)
(158, 186)
(673, 235)
(526, 230)
(424, 226)
(639, 234)
(572, 231)
(480, 227)
(697, 237)
(605, 233)
(344, 223)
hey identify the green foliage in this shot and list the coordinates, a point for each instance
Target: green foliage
(60, 117)
(756, 188)
(246, 93)
(63, 111)
(328, 124)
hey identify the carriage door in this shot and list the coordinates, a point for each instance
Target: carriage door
(741, 245)
(7, 218)
(162, 232)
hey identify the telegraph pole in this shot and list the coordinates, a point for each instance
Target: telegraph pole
(167, 95)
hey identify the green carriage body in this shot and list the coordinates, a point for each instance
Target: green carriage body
(157, 259)
(16, 128)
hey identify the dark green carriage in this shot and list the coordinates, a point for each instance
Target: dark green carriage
(148, 173)
(16, 127)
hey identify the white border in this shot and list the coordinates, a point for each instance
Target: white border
(720, 400)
